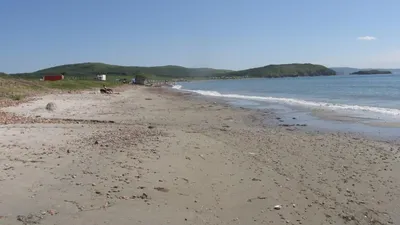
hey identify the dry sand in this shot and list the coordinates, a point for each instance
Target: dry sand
(169, 158)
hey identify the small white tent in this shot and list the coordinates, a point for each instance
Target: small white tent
(101, 77)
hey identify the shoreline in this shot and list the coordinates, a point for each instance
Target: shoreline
(317, 119)
(173, 158)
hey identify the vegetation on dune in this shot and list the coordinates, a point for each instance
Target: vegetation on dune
(284, 70)
(17, 88)
(91, 69)
(82, 76)
(368, 72)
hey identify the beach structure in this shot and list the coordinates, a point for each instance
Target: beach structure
(53, 77)
(101, 77)
(141, 80)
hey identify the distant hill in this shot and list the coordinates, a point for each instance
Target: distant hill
(170, 71)
(284, 70)
(84, 69)
(370, 72)
(350, 70)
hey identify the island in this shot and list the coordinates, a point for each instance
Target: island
(283, 70)
(371, 72)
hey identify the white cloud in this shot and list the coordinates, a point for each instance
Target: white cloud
(366, 38)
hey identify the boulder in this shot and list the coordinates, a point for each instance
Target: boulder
(51, 106)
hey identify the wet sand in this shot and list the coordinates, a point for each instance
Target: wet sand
(154, 156)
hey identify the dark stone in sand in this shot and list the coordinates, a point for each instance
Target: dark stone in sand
(51, 106)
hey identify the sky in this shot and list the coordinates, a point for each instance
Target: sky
(226, 34)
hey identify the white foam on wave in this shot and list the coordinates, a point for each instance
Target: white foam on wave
(292, 101)
(177, 86)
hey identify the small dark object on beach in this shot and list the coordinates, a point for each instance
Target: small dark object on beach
(278, 118)
(30, 219)
(106, 90)
(143, 196)
(96, 142)
(294, 118)
(162, 189)
(150, 127)
(286, 125)
(147, 99)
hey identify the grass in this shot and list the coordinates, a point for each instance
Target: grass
(19, 88)
(16, 89)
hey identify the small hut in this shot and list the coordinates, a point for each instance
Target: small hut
(140, 79)
(53, 77)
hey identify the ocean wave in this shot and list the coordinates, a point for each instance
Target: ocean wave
(298, 102)
(177, 86)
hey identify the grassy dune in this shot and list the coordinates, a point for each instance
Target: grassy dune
(19, 88)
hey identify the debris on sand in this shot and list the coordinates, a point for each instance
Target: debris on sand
(52, 212)
(29, 219)
(258, 197)
(162, 189)
(143, 196)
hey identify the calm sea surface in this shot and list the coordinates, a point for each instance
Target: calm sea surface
(352, 102)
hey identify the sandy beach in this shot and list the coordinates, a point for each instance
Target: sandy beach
(156, 156)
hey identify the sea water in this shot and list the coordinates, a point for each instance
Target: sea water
(357, 103)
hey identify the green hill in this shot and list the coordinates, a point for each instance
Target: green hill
(283, 70)
(90, 69)
(86, 69)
